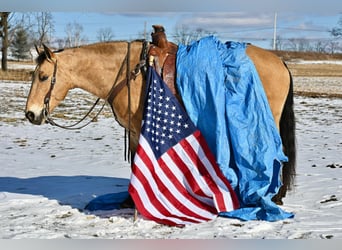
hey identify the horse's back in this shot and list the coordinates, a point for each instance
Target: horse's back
(274, 76)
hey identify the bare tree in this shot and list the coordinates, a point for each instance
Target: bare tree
(44, 27)
(105, 34)
(279, 44)
(183, 34)
(337, 31)
(74, 36)
(298, 44)
(4, 34)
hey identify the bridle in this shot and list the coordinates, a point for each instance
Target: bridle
(116, 88)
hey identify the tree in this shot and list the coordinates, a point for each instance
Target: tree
(337, 31)
(20, 45)
(44, 27)
(185, 35)
(4, 38)
(105, 34)
(74, 36)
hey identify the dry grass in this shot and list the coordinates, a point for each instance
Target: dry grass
(315, 70)
(16, 75)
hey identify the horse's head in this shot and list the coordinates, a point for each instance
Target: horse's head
(47, 89)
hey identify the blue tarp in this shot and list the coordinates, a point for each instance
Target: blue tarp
(225, 99)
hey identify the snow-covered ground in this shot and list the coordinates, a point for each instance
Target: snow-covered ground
(48, 175)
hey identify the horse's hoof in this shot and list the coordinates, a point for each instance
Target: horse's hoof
(128, 203)
(277, 200)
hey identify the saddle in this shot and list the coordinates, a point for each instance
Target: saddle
(162, 56)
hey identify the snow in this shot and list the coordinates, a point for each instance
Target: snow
(300, 61)
(49, 174)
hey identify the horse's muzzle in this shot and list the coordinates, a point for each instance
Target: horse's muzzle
(35, 119)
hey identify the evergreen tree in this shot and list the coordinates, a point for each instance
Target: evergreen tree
(20, 45)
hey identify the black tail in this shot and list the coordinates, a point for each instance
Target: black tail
(288, 136)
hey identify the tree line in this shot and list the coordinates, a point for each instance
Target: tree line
(19, 32)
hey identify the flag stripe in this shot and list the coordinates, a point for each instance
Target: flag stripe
(187, 178)
(185, 189)
(195, 151)
(167, 185)
(152, 176)
(216, 173)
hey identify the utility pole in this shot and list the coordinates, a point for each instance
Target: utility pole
(275, 32)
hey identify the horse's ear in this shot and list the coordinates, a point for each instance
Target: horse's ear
(38, 49)
(49, 54)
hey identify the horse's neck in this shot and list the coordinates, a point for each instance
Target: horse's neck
(94, 70)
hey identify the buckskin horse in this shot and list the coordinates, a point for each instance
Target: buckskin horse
(113, 71)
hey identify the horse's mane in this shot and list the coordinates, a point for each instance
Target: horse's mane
(102, 46)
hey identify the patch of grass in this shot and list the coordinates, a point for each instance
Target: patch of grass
(315, 70)
(16, 75)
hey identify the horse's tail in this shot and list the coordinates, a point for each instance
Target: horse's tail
(288, 136)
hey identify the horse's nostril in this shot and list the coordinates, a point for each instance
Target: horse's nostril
(30, 116)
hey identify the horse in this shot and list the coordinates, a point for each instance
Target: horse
(113, 71)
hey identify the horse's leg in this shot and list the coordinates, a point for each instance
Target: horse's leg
(277, 83)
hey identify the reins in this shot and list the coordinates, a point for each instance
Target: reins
(47, 107)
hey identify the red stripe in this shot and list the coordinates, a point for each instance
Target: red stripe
(163, 189)
(179, 186)
(210, 156)
(202, 169)
(141, 208)
(187, 172)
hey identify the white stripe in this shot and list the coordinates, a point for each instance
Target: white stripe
(135, 182)
(218, 181)
(193, 169)
(144, 169)
(180, 177)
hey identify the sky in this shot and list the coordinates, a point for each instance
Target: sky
(254, 27)
(248, 21)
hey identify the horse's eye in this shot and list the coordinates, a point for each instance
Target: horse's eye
(43, 78)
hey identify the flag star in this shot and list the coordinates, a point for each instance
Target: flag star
(180, 117)
(186, 125)
(178, 131)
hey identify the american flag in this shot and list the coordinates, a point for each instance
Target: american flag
(175, 179)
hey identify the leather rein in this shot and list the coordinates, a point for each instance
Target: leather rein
(116, 88)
